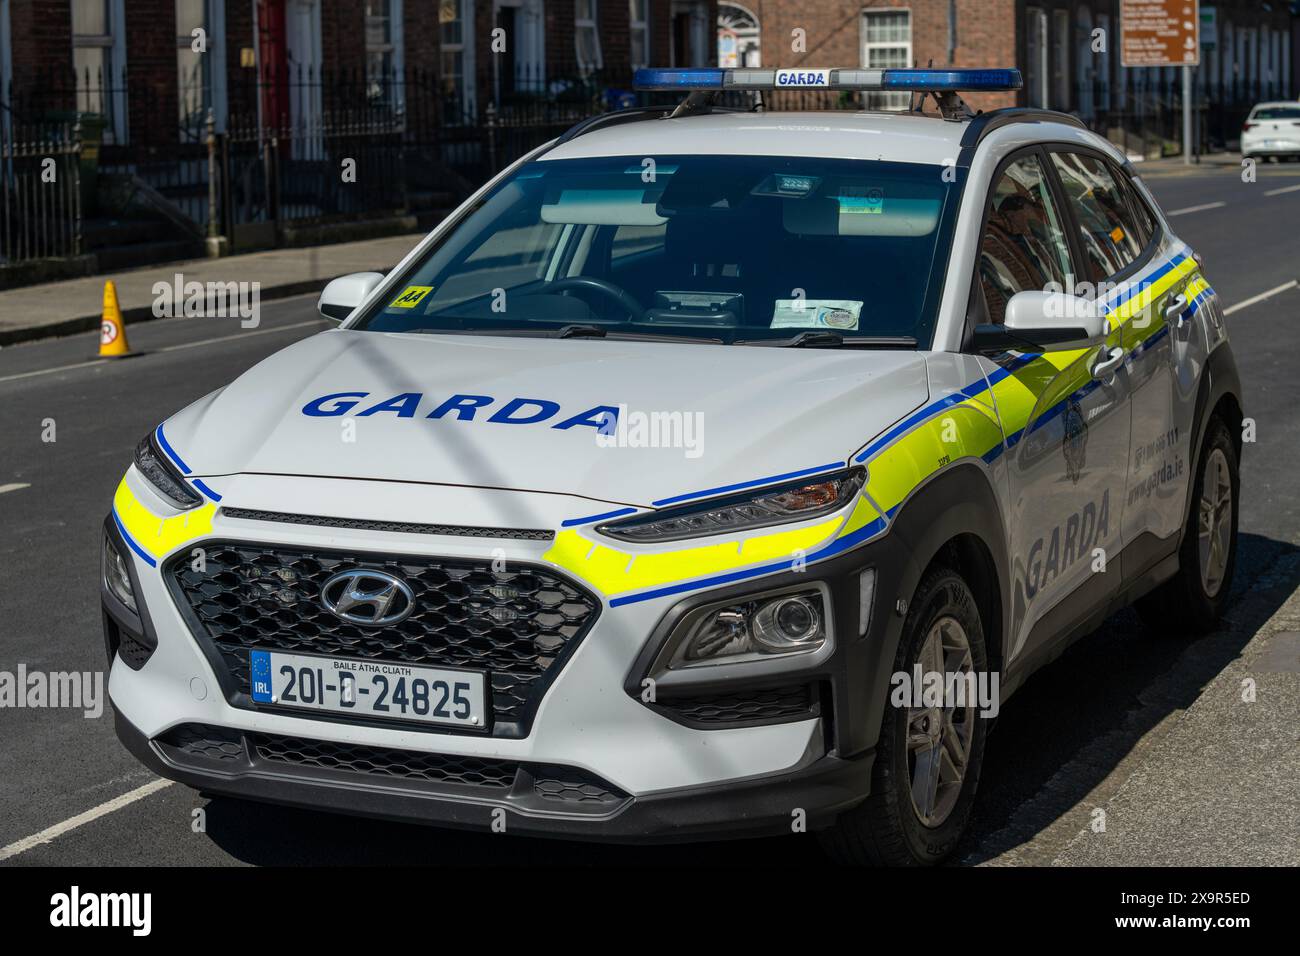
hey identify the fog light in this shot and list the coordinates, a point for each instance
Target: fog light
(784, 624)
(116, 577)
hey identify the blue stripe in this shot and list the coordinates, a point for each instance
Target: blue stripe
(171, 452)
(590, 518)
(709, 492)
(906, 424)
(205, 489)
(130, 542)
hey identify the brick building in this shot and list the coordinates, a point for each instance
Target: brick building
(1249, 56)
(134, 61)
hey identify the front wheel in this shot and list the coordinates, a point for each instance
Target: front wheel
(929, 753)
(1192, 601)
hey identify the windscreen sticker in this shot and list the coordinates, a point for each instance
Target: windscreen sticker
(410, 297)
(838, 314)
(861, 200)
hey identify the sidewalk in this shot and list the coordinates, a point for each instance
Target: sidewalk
(74, 305)
(1173, 165)
(1213, 783)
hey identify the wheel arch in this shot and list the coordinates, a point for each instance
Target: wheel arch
(956, 520)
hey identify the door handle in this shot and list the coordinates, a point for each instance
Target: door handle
(1176, 308)
(1105, 367)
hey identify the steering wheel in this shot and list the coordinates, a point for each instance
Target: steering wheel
(606, 288)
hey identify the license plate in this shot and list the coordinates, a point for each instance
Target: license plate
(339, 685)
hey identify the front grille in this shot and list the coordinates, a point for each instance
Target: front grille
(397, 527)
(764, 705)
(547, 784)
(381, 761)
(519, 624)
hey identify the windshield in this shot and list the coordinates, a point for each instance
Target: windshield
(728, 249)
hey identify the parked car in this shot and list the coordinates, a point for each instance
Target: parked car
(963, 393)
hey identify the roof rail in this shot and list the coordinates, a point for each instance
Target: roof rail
(985, 123)
(613, 118)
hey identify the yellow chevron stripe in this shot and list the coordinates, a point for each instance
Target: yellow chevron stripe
(611, 570)
(156, 534)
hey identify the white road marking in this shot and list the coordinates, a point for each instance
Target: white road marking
(1262, 296)
(167, 348)
(1208, 205)
(1284, 189)
(50, 834)
(16, 486)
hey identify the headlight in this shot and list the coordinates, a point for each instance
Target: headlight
(778, 504)
(164, 477)
(116, 577)
(791, 623)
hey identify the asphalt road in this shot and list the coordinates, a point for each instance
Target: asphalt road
(1080, 728)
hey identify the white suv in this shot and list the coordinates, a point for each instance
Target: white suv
(629, 504)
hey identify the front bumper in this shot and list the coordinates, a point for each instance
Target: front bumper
(754, 806)
(656, 774)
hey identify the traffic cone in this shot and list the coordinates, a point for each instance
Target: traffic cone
(112, 332)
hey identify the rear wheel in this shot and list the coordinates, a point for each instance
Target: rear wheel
(929, 753)
(1192, 601)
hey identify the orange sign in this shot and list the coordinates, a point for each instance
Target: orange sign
(1159, 33)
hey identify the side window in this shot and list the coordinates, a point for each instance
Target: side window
(1024, 246)
(1143, 218)
(1107, 233)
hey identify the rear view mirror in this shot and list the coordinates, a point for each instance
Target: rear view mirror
(342, 295)
(1044, 322)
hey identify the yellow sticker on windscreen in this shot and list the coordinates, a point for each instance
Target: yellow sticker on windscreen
(410, 297)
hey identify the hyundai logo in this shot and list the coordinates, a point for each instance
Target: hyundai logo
(367, 597)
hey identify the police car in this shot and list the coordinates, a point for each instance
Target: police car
(709, 472)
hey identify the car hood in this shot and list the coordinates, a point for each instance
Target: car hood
(523, 413)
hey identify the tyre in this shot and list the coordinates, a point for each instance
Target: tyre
(1192, 601)
(927, 758)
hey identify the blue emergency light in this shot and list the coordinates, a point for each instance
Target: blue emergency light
(802, 78)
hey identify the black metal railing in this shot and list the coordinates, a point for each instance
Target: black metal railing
(40, 190)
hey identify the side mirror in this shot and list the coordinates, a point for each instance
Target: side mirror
(342, 295)
(1044, 322)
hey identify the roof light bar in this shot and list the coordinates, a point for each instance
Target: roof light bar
(688, 80)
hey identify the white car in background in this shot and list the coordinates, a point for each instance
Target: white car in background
(1272, 130)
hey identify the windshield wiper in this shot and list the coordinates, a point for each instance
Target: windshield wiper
(825, 338)
(581, 331)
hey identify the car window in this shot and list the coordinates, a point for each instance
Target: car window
(1107, 233)
(1276, 113)
(1143, 219)
(1024, 246)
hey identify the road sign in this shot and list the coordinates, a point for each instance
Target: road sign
(1159, 33)
(1209, 28)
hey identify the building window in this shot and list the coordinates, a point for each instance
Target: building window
(92, 54)
(638, 22)
(586, 37)
(383, 50)
(451, 15)
(739, 38)
(193, 69)
(886, 44)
